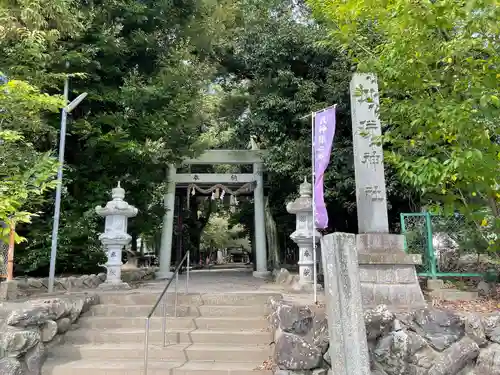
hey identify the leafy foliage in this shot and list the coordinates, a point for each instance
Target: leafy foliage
(438, 68)
(25, 174)
(218, 234)
(275, 74)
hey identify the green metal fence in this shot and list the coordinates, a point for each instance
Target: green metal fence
(450, 245)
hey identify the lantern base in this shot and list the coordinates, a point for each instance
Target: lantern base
(114, 286)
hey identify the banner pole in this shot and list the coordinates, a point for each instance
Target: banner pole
(313, 160)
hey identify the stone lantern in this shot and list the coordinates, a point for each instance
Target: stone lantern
(115, 237)
(303, 235)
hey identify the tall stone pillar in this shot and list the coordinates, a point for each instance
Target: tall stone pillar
(386, 273)
(115, 236)
(168, 226)
(304, 232)
(260, 227)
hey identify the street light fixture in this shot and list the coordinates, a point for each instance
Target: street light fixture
(57, 210)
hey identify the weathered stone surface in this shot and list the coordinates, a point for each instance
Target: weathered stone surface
(282, 276)
(293, 352)
(440, 328)
(16, 341)
(11, 366)
(30, 286)
(492, 327)
(48, 330)
(63, 325)
(28, 326)
(474, 329)
(395, 353)
(318, 334)
(76, 309)
(34, 359)
(9, 290)
(378, 321)
(295, 319)
(455, 358)
(488, 361)
(420, 342)
(34, 316)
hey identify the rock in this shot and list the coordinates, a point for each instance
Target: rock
(319, 332)
(327, 359)
(63, 325)
(35, 283)
(483, 288)
(282, 276)
(89, 301)
(488, 361)
(455, 358)
(468, 370)
(440, 328)
(27, 326)
(31, 316)
(11, 366)
(492, 327)
(378, 322)
(77, 305)
(56, 307)
(320, 371)
(295, 319)
(474, 329)
(292, 352)
(34, 359)
(102, 276)
(393, 352)
(16, 341)
(48, 330)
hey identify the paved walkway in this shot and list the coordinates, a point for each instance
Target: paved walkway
(228, 281)
(214, 281)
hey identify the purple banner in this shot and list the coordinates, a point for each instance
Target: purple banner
(324, 131)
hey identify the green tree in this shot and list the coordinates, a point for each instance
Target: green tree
(275, 74)
(25, 173)
(219, 234)
(143, 65)
(437, 64)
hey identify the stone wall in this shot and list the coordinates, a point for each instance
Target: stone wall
(29, 286)
(425, 341)
(29, 329)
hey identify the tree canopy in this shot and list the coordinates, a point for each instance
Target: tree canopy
(437, 63)
(169, 79)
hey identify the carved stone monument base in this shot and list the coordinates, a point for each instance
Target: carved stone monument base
(387, 274)
(114, 286)
(262, 275)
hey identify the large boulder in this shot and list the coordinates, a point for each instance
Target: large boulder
(293, 352)
(28, 326)
(420, 342)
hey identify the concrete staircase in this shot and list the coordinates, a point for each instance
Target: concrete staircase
(213, 334)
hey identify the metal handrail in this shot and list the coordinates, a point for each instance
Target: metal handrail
(164, 308)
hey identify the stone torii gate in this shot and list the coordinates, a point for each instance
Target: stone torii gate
(213, 157)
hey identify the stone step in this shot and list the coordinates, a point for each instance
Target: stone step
(195, 299)
(454, 295)
(204, 323)
(175, 352)
(127, 367)
(96, 336)
(259, 310)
